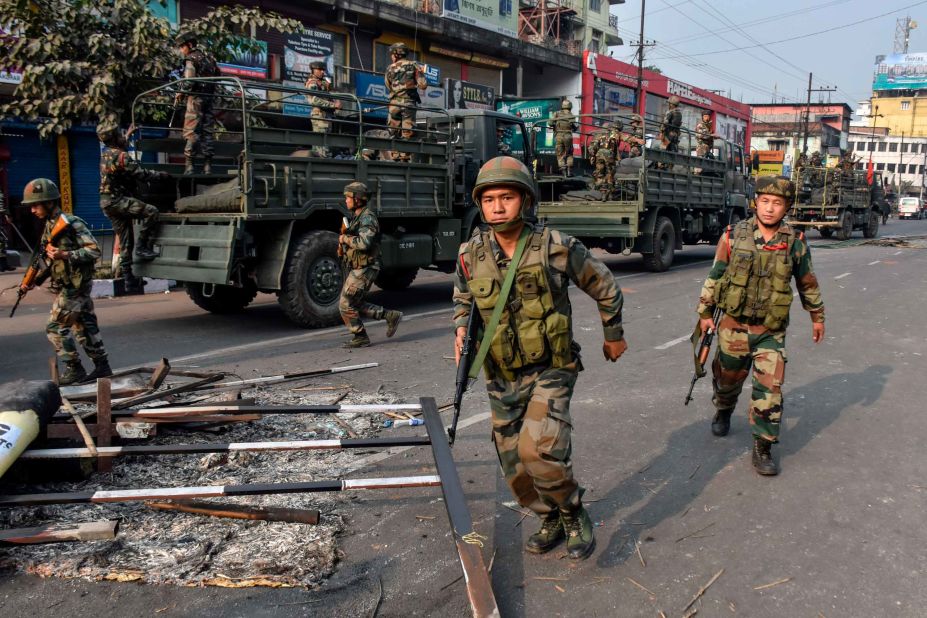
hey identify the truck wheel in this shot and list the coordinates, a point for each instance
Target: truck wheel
(826, 232)
(872, 227)
(846, 225)
(396, 279)
(221, 298)
(312, 280)
(664, 243)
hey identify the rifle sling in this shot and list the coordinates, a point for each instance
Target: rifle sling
(500, 304)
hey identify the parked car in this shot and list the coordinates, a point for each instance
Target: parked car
(910, 208)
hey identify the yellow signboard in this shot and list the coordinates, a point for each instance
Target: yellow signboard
(769, 169)
(64, 175)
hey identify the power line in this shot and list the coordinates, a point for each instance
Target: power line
(666, 8)
(804, 36)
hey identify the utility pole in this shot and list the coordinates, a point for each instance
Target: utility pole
(640, 68)
(807, 127)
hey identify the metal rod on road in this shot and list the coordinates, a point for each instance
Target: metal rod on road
(215, 491)
(180, 412)
(223, 447)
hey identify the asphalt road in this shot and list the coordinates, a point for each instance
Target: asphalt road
(843, 523)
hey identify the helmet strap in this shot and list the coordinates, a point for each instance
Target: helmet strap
(508, 225)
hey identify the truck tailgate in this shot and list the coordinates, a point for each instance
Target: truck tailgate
(592, 219)
(199, 250)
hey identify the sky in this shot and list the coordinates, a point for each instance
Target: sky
(686, 30)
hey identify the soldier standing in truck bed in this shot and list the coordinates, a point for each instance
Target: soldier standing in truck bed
(403, 80)
(563, 123)
(199, 121)
(322, 107)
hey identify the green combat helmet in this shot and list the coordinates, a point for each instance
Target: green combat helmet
(357, 190)
(776, 185)
(506, 171)
(40, 190)
(566, 104)
(399, 49)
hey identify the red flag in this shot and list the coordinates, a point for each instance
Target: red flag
(869, 174)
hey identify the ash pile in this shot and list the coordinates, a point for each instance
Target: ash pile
(169, 547)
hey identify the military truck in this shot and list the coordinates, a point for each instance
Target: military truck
(837, 202)
(660, 200)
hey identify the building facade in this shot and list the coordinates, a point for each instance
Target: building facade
(784, 125)
(900, 159)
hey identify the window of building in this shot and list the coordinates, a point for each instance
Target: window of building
(893, 147)
(881, 146)
(596, 6)
(912, 168)
(905, 106)
(920, 169)
(871, 147)
(891, 167)
(904, 147)
(880, 166)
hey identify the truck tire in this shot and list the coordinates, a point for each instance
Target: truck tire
(396, 279)
(826, 232)
(313, 278)
(845, 230)
(223, 299)
(664, 243)
(872, 227)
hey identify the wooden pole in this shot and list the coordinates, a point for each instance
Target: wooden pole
(224, 447)
(240, 511)
(217, 491)
(183, 388)
(81, 427)
(104, 422)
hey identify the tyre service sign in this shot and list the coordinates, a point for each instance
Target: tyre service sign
(500, 16)
(299, 51)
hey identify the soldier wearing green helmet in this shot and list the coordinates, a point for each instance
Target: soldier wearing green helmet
(359, 247)
(403, 79)
(522, 272)
(750, 282)
(563, 123)
(323, 106)
(71, 252)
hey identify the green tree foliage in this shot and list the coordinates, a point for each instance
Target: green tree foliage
(87, 60)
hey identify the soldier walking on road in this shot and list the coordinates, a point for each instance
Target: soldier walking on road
(322, 107)
(532, 360)
(119, 178)
(750, 282)
(71, 256)
(359, 246)
(403, 80)
(199, 121)
(564, 123)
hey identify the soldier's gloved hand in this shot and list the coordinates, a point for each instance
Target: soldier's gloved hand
(614, 349)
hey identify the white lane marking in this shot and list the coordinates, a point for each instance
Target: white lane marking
(669, 344)
(897, 253)
(843, 275)
(874, 263)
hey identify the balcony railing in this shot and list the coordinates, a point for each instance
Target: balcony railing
(613, 21)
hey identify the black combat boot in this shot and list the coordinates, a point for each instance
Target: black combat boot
(5, 264)
(188, 167)
(392, 322)
(74, 373)
(145, 250)
(360, 340)
(762, 457)
(548, 536)
(101, 369)
(721, 423)
(133, 284)
(207, 166)
(578, 528)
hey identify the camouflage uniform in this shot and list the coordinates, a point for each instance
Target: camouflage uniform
(119, 175)
(756, 315)
(403, 80)
(705, 138)
(72, 279)
(530, 382)
(672, 122)
(604, 147)
(199, 121)
(361, 253)
(322, 107)
(635, 135)
(564, 123)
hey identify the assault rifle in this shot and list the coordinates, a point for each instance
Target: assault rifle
(704, 348)
(37, 265)
(344, 228)
(467, 353)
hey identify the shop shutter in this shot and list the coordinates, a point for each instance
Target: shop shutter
(85, 179)
(29, 158)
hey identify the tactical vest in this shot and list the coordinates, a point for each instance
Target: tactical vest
(65, 273)
(757, 284)
(533, 328)
(563, 122)
(358, 258)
